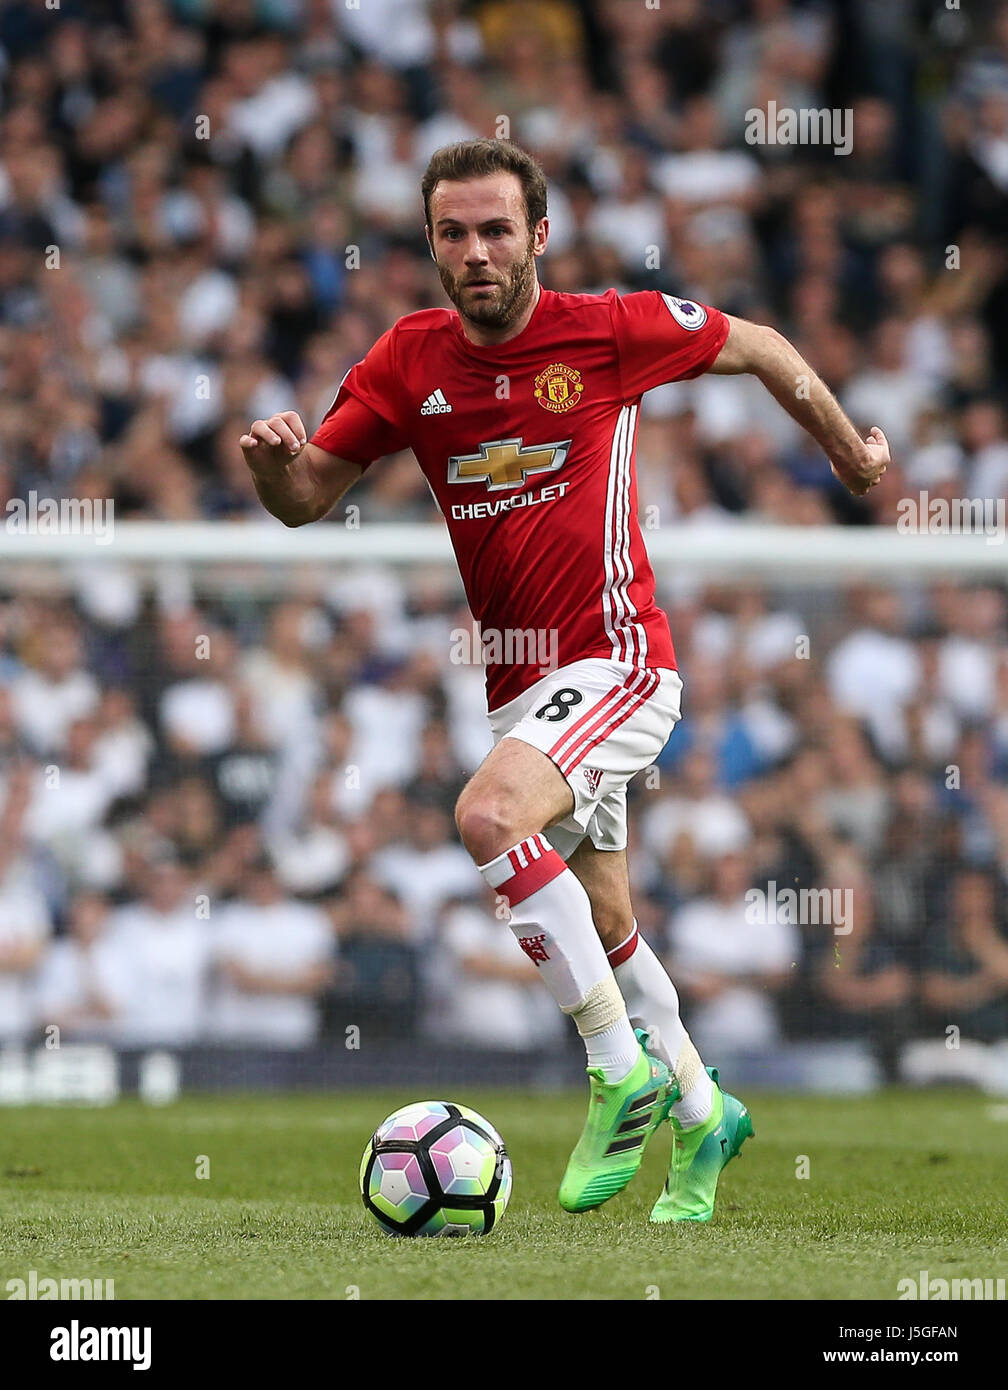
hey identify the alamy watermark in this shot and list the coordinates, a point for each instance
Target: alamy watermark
(61, 516)
(924, 1287)
(77, 1343)
(785, 125)
(43, 1287)
(831, 907)
(509, 646)
(958, 516)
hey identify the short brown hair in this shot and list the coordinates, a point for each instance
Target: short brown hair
(472, 159)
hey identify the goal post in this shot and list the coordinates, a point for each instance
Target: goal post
(832, 554)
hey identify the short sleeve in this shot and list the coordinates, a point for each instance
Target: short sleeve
(362, 424)
(660, 338)
(353, 431)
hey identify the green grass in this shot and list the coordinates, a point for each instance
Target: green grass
(898, 1182)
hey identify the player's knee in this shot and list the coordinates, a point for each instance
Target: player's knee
(486, 824)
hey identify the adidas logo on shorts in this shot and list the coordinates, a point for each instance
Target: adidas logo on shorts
(435, 404)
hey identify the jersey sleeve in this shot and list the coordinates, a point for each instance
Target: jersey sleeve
(660, 338)
(353, 431)
(362, 424)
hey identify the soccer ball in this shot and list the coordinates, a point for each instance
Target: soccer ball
(436, 1169)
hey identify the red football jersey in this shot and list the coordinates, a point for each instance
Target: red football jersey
(528, 447)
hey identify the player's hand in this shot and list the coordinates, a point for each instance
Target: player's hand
(274, 441)
(859, 477)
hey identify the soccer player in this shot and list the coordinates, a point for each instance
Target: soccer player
(521, 409)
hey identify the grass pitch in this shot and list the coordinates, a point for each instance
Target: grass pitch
(897, 1183)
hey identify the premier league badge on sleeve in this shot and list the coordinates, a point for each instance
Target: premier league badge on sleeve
(685, 312)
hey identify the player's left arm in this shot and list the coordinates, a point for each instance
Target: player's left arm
(764, 353)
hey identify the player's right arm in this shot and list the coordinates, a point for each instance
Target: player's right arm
(300, 479)
(298, 482)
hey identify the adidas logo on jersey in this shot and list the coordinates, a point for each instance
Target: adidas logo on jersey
(435, 404)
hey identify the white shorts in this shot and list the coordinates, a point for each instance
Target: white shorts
(601, 722)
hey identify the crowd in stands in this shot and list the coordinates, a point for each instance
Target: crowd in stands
(227, 814)
(228, 820)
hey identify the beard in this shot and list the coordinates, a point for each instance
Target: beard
(516, 286)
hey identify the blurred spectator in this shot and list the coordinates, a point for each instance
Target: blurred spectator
(55, 689)
(199, 825)
(966, 966)
(874, 670)
(387, 715)
(867, 981)
(694, 806)
(437, 779)
(244, 773)
(197, 711)
(426, 868)
(80, 985)
(25, 929)
(486, 993)
(379, 978)
(161, 952)
(365, 910)
(123, 744)
(889, 391)
(730, 962)
(278, 674)
(855, 803)
(273, 957)
(312, 859)
(68, 807)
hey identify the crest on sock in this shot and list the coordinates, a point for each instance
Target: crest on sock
(534, 948)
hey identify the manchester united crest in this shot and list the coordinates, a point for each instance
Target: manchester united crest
(558, 388)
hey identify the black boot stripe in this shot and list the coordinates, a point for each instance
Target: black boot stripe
(641, 1101)
(619, 1146)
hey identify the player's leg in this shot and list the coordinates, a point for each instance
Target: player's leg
(704, 1115)
(515, 794)
(651, 998)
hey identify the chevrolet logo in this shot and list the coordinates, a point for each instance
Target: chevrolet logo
(506, 463)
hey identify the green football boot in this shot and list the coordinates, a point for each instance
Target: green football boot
(621, 1120)
(698, 1156)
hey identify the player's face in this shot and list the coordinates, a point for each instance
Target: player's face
(484, 248)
